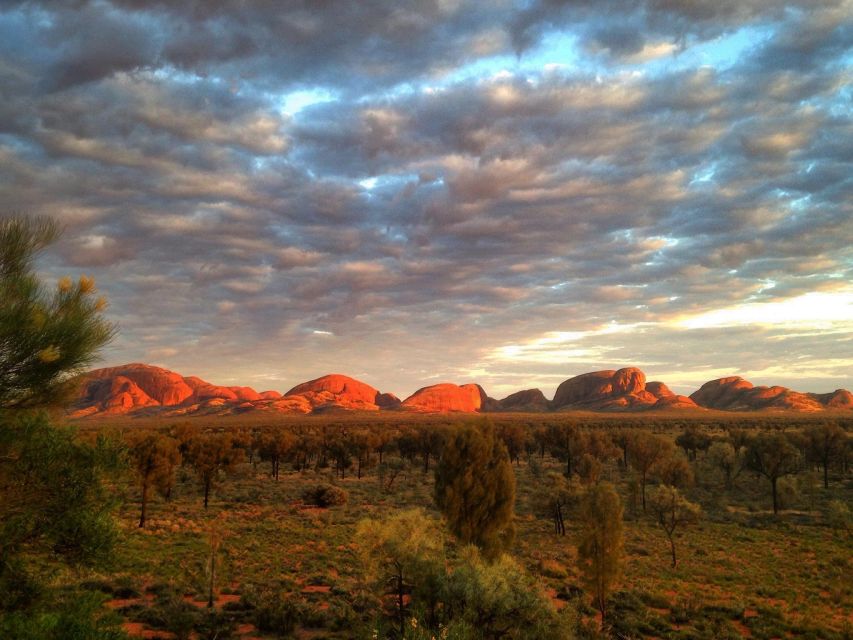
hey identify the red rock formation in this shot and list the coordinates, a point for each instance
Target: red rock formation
(603, 390)
(529, 400)
(338, 390)
(838, 399)
(388, 401)
(736, 394)
(666, 399)
(134, 387)
(446, 397)
(149, 386)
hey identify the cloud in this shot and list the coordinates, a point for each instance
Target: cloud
(438, 204)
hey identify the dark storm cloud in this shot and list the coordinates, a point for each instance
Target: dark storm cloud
(421, 215)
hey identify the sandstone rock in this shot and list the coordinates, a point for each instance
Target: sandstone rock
(736, 394)
(388, 401)
(446, 397)
(336, 390)
(527, 400)
(602, 389)
(838, 399)
(659, 389)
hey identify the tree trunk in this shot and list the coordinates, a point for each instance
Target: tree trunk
(212, 579)
(206, 492)
(775, 498)
(144, 502)
(672, 550)
(825, 473)
(643, 489)
(400, 605)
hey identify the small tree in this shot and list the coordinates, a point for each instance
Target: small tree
(475, 488)
(398, 552)
(825, 444)
(772, 456)
(566, 443)
(154, 458)
(556, 498)
(499, 600)
(212, 454)
(724, 456)
(274, 446)
(644, 451)
(672, 511)
(675, 471)
(600, 542)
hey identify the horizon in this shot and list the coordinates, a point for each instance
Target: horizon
(445, 192)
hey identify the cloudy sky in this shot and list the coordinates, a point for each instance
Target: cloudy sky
(446, 190)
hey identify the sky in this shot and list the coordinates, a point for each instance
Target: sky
(508, 193)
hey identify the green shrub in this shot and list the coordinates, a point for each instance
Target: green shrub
(324, 495)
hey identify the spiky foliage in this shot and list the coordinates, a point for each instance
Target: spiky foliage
(47, 335)
(475, 488)
(600, 542)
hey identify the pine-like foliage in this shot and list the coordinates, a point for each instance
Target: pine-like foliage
(47, 336)
(475, 489)
(600, 542)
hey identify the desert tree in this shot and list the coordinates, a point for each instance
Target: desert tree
(672, 511)
(727, 459)
(825, 444)
(273, 445)
(54, 504)
(515, 439)
(399, 554)
(566, 443)
(363, 442)
(212, 455)
(556, 498)
(430, 441)
(692, 440)
(600, 542)
(153, 457)
(622, 439)
(644, 452)
(475, 488)
(771, 455)
(498, 600)
(589, 469)
(674, 470)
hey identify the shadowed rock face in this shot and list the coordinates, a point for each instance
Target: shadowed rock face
(528, 400)
(736, 394)
(838, 399)
(446, 397)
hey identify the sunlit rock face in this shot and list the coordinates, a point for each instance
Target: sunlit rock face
(666, 399)
(446, 397)
(531, 400)
(736, 394)
(139, 389)
(625, 388)
(338, 391)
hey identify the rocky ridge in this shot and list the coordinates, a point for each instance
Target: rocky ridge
(139, 389)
